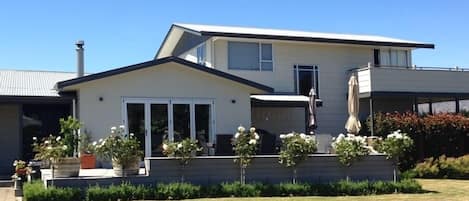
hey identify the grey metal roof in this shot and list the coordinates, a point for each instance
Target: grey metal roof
(31, 83)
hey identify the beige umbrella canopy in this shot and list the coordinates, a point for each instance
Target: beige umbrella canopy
(353, 124)
(312, 124)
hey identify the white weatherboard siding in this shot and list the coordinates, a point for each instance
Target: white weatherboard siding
(334, 61)
(164, 81)
(408, 80)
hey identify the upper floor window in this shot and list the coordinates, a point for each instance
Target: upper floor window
(250, 56)
(306, 77)
(391, 57)
(201, 54)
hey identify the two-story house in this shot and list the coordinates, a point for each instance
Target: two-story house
(205, 81)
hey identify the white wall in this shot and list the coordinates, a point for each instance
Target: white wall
(164, 81)
(333, 62)
(191, 55)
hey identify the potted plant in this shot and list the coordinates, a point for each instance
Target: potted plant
(87, 157)
(21, 171)
(244, 145)
(122, 149)
(295, 149)
(183, 150)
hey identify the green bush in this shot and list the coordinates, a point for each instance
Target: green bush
(352, 188)
(289, 189)
(236, 189)
(123, 192)
(36, 192)
(443, 167)
(177, 191)
(408, 186)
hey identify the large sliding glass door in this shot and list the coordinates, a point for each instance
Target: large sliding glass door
(155, 120)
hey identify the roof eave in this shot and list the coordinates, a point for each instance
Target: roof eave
(319, 40)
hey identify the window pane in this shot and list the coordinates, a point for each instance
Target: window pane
(202, 126)
(267, 52)
(181, 118)
(305, 82)
(136, 121)
(159, 127)
(201, 54)
(243, 56)
(394, 58)
(402, 58)
(266, 66)
(385, 58)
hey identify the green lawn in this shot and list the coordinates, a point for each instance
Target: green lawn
(439, 189)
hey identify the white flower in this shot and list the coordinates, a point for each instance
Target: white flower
(131, 134)
(34, 138)
(113, 129)
(252, 130)
(302, 136)
(165, 147)
(289, 135)
(64, 147)
(122, 127)
(95, 143)
(179, 145)
(241, 129)
(100, 140)
(252, 141)
(256, 136)
(49, 147)
(58, 139)
(104, 142)
(283, 136)
(46, 142)
(236, 136)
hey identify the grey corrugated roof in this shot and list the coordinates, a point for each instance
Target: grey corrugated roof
(31, 83)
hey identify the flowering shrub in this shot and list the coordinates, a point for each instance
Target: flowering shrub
(245, 145)
(396, 144)
(184, 150)
(121, 148)
(295, 148)
(21, 170)
(350, 148)
(50, 148)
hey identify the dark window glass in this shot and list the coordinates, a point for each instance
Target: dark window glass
(159, 127)
(136, 121)
(376, 57)
(181, 118)
(202, 126)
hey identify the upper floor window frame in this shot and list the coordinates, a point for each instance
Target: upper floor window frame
(311, 68)
(201, 53)
(391, 57)
(262, 59)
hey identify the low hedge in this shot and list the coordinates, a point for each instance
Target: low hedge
(442, 167)
(127, 192)
(35, 191)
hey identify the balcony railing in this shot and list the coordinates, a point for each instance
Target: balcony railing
(414, 67)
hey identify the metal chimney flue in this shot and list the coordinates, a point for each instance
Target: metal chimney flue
(80, 58)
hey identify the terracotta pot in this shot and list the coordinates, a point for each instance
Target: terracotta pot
(130, 169)
(88, 161)
(67, 167)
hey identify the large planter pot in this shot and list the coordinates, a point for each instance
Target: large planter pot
(67, 167)
(130, 169)
(88, 161)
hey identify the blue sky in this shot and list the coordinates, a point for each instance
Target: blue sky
(41, 34)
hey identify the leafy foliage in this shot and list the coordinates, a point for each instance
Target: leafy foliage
(443, 167)
(245, 145)
(295, 148)
(396, 145)
(69, 129)
(122, 148)
(50, 148)
(350, 148)
(36, 192)
(183, 150)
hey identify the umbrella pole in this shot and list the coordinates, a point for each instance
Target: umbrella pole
(372, 118)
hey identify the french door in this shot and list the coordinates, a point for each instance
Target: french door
(153, 120)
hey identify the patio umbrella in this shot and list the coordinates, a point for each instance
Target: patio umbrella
(312, 110)
(353, 124)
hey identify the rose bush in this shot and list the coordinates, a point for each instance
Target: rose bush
(245, 146)
(396, 144)
(295, 149)
(184, 150)
(350, 148)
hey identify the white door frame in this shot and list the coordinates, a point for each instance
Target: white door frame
(170, 102)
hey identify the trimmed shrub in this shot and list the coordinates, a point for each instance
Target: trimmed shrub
(443, 167)
(289, 189)
(408, 186)
(37, 192)
(236, 189)
(123, 192)
(177, 191)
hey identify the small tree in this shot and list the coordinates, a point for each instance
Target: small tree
(244, 145)
(350, 148)
(183, 150)
(69, 129)
(395, 146)
(295, 149)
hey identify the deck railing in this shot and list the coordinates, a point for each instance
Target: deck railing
(414, 67)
